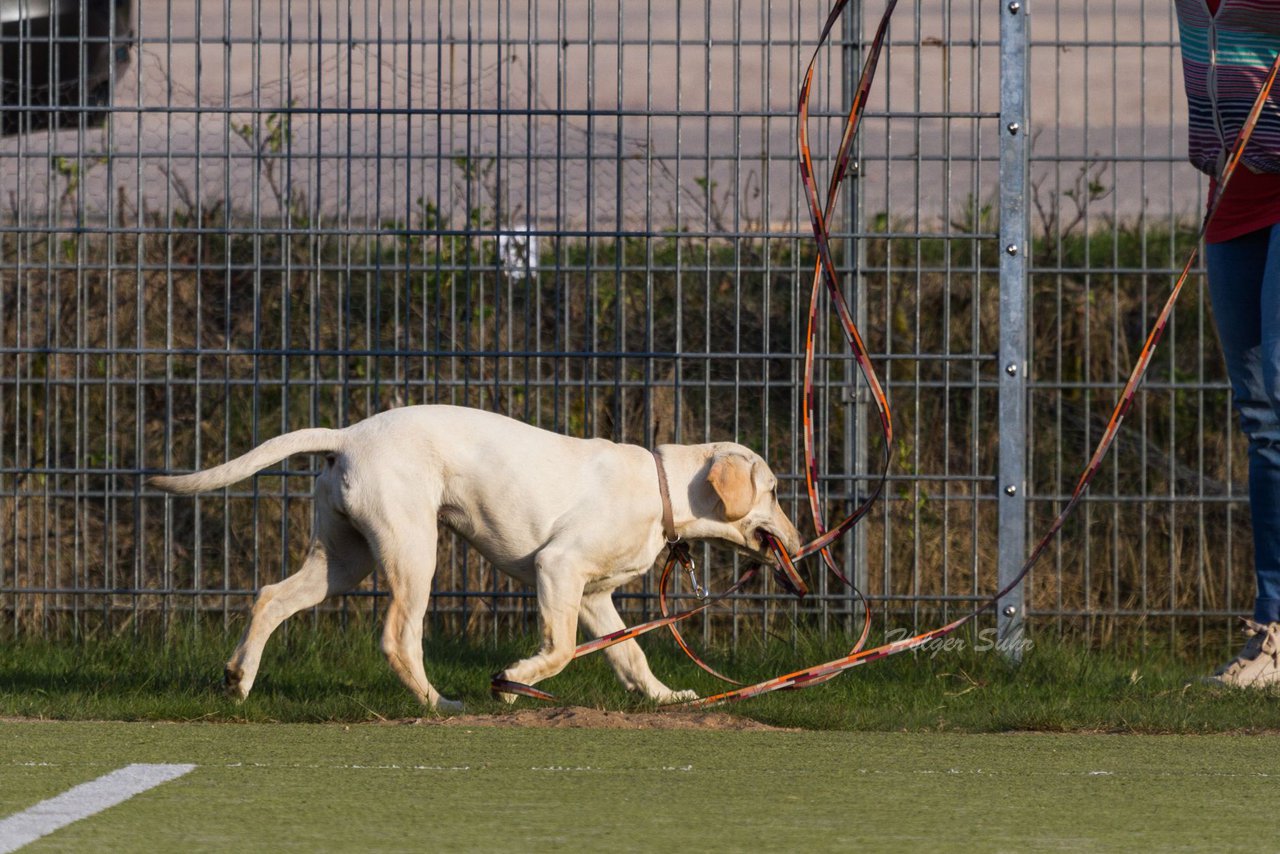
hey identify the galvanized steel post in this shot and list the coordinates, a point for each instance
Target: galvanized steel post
(1014, 151)
(857, 407)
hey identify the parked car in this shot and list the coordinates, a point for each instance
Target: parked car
(56, 59)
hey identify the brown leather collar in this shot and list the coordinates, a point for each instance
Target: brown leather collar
(668, 518)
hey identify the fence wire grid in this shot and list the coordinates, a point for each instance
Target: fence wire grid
(228, 219)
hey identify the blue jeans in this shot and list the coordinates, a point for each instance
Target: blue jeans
(1244, 285)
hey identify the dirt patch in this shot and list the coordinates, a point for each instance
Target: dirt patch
(563, 717)
(581, 717)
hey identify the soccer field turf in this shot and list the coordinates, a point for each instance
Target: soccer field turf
(402, 787)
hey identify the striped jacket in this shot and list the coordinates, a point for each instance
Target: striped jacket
(1225, 58)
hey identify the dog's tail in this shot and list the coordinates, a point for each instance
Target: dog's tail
(315, 440)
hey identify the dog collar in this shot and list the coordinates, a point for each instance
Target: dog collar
(668, 517)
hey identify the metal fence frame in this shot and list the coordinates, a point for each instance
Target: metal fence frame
(589, 219)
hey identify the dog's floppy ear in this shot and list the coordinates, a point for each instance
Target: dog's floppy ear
(730, 477)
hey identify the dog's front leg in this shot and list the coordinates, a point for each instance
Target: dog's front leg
(409, 560)
(600, 617)
(559, 584)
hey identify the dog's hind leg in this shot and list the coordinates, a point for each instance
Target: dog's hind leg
(333, 565)
(600, 617)
(560, 588)
(410, 563)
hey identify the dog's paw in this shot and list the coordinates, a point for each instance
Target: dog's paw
(233, 684)
(448, 707)
(505, 696)
(677, 697)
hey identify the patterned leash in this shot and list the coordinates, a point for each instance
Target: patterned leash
(824, 271)
(822, 672)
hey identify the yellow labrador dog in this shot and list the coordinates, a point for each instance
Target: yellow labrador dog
(575, 518)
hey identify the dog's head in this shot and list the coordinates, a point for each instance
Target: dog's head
(738, 493)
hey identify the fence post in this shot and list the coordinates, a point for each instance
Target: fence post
(855, 399)
(1012, 364)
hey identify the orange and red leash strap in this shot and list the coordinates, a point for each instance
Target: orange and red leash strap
(786, 574)
(825, 271)
(822, 672)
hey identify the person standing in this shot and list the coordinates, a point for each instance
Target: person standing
(1228, 47)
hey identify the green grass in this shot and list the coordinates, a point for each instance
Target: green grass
(899, 753)
(328, 674)
(395, 788)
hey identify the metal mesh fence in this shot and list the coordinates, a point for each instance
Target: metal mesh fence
(1163, 542)
(291, 213)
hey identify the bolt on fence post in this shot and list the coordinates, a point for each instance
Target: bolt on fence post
(1011, 493)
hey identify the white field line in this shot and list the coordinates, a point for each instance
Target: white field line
(83, 801)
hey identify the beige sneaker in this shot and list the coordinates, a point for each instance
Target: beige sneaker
(1258, 664)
